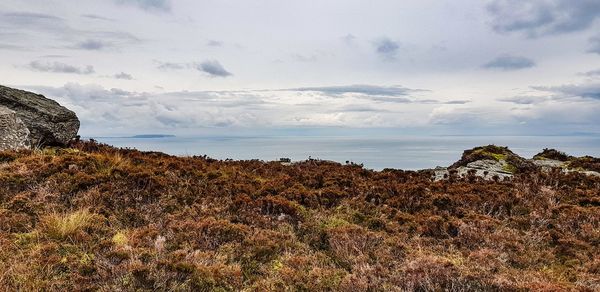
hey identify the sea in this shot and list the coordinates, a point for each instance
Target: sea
(407, 152)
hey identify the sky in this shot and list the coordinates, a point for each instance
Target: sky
(431, 67)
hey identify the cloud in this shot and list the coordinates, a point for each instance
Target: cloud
(451, 115)
(26, 25)
(35, 21)
(96, 17)
(508, 63)
(305, 58)
(151, 5)
(104, 110)
(537, 18)
(92, 45)
(386, 48)
(588, 90)
(171, 66)
(457, 102)
(123, 76)
(349, 39)
(593, 73)
(388, 94)
(58, 67)
(12, 47)
(213, 43)
(524, 100)
(594, 45)
(359, 89)
(213, 68)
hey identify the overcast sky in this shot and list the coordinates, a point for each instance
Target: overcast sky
(225, 66)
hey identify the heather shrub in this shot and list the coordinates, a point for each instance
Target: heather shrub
(93, 217)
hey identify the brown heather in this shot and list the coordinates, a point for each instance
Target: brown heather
(92, 217)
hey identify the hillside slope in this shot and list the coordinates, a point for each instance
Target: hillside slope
(96, 217)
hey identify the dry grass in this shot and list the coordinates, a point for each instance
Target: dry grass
(98, 218)
(66, 226)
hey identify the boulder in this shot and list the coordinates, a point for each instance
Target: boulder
(13, 132)
(48, 123)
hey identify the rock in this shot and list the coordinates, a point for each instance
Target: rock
(491, 162)
(485, 168)
(511, 161)
(13, 132)
(49, 123)
(548, 164)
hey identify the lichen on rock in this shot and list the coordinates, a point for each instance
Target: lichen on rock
(13, 132)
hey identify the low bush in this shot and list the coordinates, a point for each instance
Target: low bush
(94, 217)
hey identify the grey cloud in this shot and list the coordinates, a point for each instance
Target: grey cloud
(391, 99)
(171, 66)
(58, 67)
(96, 17)
(155, 5)
(543, 17)
(589, 90)
(358, 109)
(508, 62)
(457, 102)
(213, 68)
(305, 58)
(54, 56)
(359, 89)
(390, 94)
(349, 39)
(386, 48)
(213, 43)
(29, 18)
(35, 21)
(592, 73)
(594, 45)
(12, 47)
(524, 100)
(92, 45)
(124, 76)
(33, 25)
(118, 108)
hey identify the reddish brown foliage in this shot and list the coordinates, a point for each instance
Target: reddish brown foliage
(95, 217)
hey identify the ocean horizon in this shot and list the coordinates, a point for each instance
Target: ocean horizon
(402, 152)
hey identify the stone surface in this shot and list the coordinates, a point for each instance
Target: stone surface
(489, 168)
(548, 164)
(486, 168)
(48, 122)
(13, 132)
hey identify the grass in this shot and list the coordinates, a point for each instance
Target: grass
(65, 226)
(93, 217)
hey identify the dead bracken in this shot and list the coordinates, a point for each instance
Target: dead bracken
(93, 217)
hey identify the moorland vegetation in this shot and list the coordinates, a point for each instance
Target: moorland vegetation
(94, 217)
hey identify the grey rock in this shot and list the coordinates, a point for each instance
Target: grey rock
(13, 132)
(488, 169)
(485, 168)
(548, 164)
(48, 122)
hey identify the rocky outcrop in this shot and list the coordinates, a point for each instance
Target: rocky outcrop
(47, 122)
(13, 132)
(510, 161)
(486, 168)
(498, 163)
